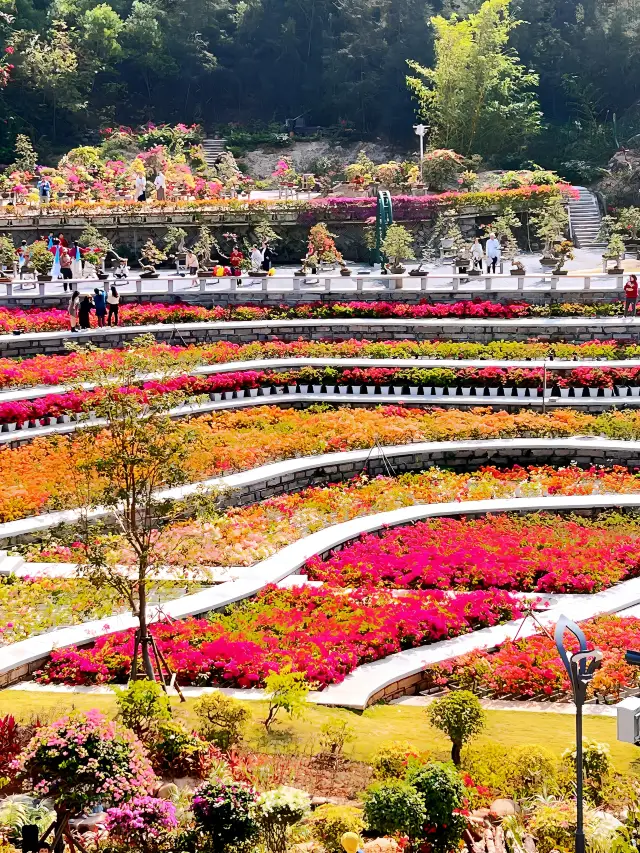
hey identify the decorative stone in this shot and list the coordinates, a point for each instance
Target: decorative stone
(503, 808)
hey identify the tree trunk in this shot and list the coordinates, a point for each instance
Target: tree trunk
(456, 749)
(144, 634)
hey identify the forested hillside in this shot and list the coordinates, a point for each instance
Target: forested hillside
(79, 66)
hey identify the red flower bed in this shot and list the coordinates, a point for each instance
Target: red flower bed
(532, 667)
(324, 633)
(536, 554)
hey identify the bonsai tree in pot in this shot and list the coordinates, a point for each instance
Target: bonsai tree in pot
(563, 252)
(549, 225)
(41, 260)
(398, 246)
(153, 256)
(202, 249)
(615, 253)
(321, 246)
(7, 257)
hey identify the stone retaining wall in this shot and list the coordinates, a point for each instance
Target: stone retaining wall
(29, 344)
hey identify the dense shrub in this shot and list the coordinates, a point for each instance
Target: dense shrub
(442, 793)
(329, 823)
(222, 719)
(394, 807)
(225, 813)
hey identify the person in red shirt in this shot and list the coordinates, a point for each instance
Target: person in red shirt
(631, 296)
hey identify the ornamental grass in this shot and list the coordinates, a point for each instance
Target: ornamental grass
(42, 476)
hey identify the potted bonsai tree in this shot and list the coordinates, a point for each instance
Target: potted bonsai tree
(615, 253)
(153, 256)
(549, 225)
(322, 247)
(563, 252)
(398, 246)
(202, 249)
(7, 257)
(41, 260)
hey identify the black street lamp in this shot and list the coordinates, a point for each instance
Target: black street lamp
(581, 666)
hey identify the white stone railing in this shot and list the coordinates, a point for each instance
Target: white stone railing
(436, 282)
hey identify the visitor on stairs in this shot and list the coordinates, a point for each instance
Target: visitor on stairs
(631, 296)
(493, 253)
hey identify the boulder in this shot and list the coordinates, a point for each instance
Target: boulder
(167, 791)
(504, 807)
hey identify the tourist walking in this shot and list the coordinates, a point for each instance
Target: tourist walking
(74, 310)
(113, 303)
(493, 253)
(192, 262)
(267, 256)
(100, 304)
(257, 256)
(84, 312)
(477, 254)
(631, 296)
(160, 184)
(65, 268)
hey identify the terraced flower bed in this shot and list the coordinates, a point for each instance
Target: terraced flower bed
(31, 606)
(42, 476)
(536, 553)
(246, 535)
(381, 381)
(55, 319)
(324, 633)
(532, 668)
(82, 365)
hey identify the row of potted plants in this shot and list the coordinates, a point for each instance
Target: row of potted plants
(245, 535)
(153, 313)
(42, 475)
(82, 365)
(434, 382)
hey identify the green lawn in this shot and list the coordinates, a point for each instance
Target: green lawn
(375, 726)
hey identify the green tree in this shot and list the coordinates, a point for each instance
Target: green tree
(460, 716)
(478, 97)
(286, 691)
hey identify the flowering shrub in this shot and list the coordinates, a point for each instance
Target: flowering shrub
(532, 667)
(42, 475)
(278, 810)
(322, 633)
(84, 759)
(58, 369)
(541, 553)
(144, 823)
(226, 813)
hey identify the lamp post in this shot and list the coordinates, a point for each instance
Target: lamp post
(421, 130)
(581, 666)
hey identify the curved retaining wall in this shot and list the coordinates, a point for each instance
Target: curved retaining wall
(387, 677)
(479, 331)
(294, 474)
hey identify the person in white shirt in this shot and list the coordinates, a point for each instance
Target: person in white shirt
(192, 262)
(257, 257)
(141, 187)
(493, 253)
(160, 184)
(477, 254)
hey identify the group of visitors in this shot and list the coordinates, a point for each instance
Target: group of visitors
(493, 251)
(262, 258)
(105, 303)
(160, 184)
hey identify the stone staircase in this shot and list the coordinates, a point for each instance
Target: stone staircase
(585, 220)
(9, 565)
(213, 148)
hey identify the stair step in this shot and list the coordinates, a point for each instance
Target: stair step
(9, 565)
